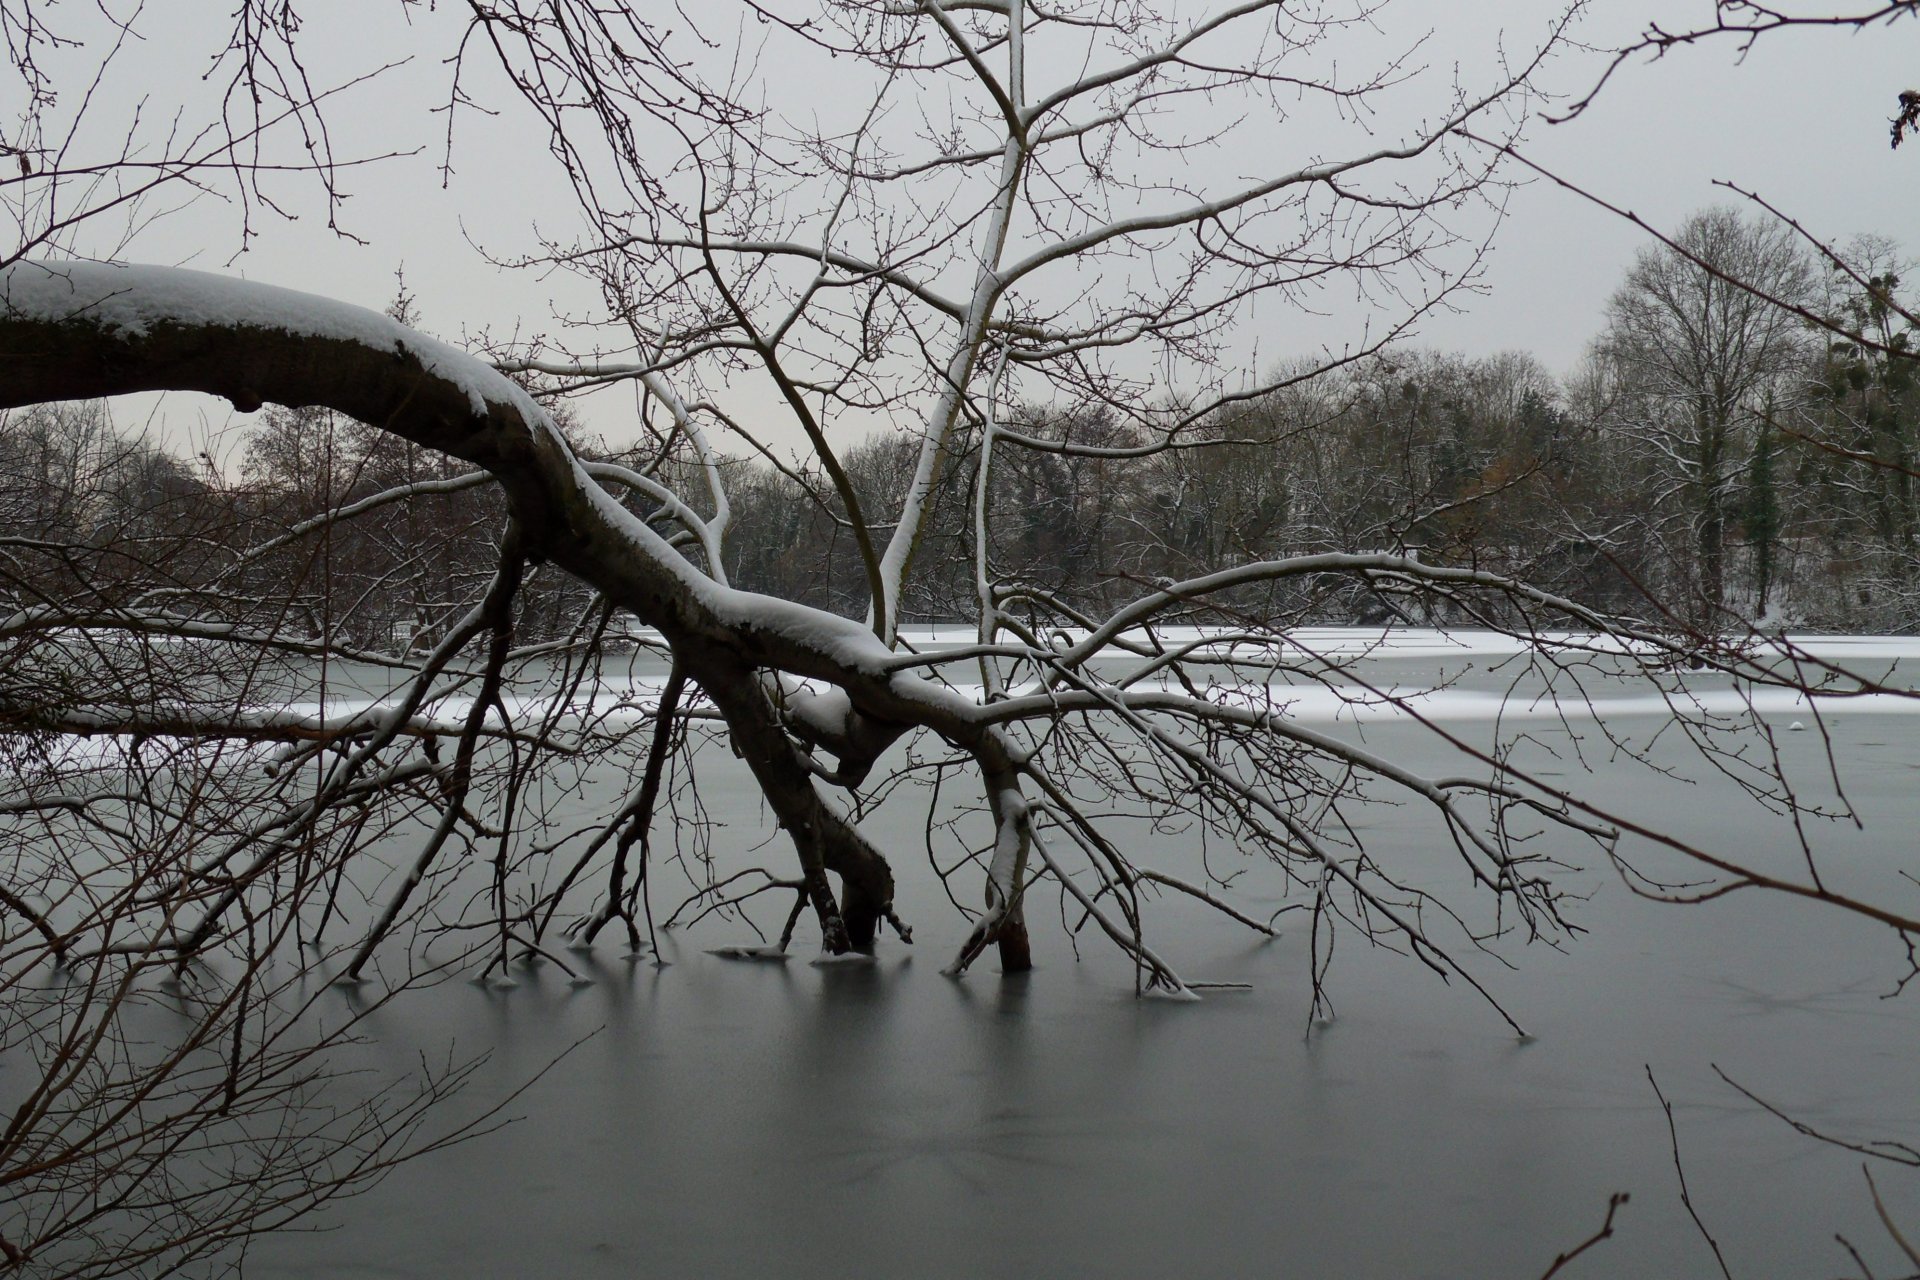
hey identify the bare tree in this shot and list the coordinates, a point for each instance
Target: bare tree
(873, 299)
(1701, 362)
(1039, 280)
(850, 309)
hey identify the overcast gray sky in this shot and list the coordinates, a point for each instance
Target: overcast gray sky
(1802, 120)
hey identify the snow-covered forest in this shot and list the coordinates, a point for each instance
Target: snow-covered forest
(1717, 462)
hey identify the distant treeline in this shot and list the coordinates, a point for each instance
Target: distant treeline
(1717, 460)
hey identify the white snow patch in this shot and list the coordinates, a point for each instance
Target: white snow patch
(827, 960)
(1411, 643)
(749, 953)
(1323, 704)
(1305, 703)
(131, 300)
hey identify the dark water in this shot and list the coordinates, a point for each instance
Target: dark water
(744, 1119)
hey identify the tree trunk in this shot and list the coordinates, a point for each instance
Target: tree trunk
(1016, 948)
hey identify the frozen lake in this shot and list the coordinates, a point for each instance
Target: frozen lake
(730, 1118)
